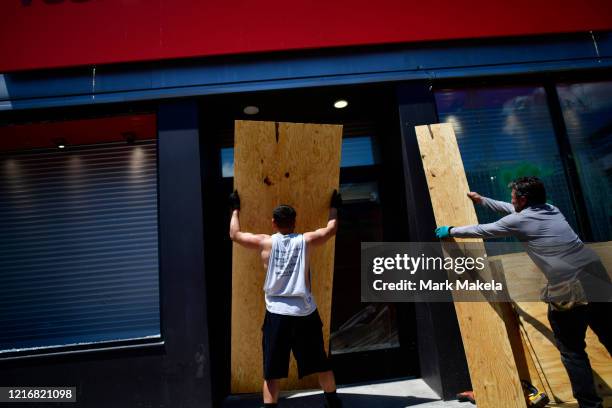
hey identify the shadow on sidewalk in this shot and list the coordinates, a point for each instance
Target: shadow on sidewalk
(316, 400)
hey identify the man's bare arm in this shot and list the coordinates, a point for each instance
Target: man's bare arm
(246, 239)
(320, 236)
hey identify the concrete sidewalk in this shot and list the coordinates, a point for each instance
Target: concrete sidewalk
(389, 394)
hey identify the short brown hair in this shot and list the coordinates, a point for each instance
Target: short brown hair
(284, 216)
(530, 187)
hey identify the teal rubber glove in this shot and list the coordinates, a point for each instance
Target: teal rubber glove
(443, 232)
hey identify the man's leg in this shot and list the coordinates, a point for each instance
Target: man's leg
(569, 328)
(276, 349)
(599, 320)
(270, 391)
(327, 381)
(311, 357)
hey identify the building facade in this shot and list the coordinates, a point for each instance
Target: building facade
(116, 136)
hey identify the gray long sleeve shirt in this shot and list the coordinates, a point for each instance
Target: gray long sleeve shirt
(550, 241)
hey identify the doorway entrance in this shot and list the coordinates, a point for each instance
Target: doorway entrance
(368, 342)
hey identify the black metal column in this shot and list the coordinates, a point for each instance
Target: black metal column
(441, 353)
(569, 163)
(183, 286)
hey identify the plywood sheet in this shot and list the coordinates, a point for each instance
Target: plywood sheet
(493, 370)
(524, 280)
(527, 367)
(538, 334)
(279, 163)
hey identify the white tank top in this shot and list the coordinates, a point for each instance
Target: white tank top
(287, 284)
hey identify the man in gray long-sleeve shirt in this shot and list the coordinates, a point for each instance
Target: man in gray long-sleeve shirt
(578, 290)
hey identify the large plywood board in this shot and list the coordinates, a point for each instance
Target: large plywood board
(490, 358)
(537, 333)
(279, 163)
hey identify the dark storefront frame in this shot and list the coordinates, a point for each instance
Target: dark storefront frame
(66, 116)
(176, 368)
(427, 61)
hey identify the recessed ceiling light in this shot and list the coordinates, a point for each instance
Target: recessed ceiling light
(60, 143)
(251, 110)
(340, 104)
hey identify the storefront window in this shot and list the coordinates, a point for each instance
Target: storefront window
(504, 133)
(587, 111)
(79, 236)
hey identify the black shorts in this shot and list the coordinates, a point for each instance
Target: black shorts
(301, 334)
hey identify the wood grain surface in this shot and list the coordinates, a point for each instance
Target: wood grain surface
(491, 363)
(279, 163)
(538, 334)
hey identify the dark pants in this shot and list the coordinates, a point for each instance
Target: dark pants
(569, 328)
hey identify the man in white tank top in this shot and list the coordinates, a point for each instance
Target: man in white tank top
(292, 322)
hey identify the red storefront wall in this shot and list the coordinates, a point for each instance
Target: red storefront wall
(38, 34)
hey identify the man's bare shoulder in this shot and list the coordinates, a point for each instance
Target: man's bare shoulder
(266, 242)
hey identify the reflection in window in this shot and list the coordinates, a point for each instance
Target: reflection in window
(587, 111)
(374, 327)
(359, 192)
(356, 151)
(504, 133)
(227, 162)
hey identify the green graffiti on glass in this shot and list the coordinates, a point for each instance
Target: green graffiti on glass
(522, 169)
